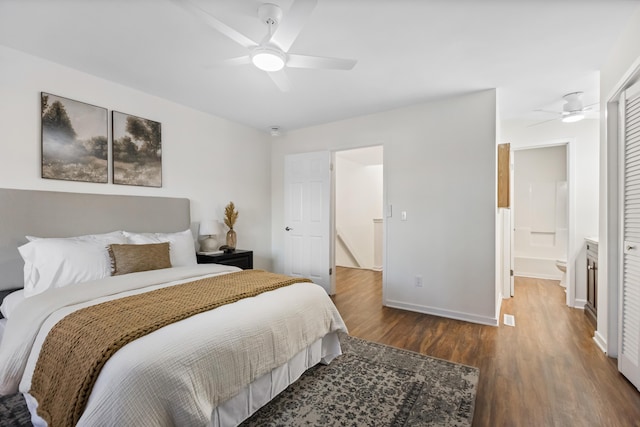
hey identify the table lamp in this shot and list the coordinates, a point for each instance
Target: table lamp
(211, 229)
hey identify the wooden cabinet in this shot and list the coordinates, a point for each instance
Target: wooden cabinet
(237, 258)
(591, 307)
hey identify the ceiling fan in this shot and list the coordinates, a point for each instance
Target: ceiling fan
(572, 110)
(272, 54)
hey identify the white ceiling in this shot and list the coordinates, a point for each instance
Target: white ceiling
(408, 51)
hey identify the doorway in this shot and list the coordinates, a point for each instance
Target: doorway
(540, 213)
(358, 210)
(563, 219)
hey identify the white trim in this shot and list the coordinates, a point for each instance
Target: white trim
(342, 237)
(580, 303)
(505, 249)
(625, 80)
(386, 206)
(600, 342)
(467, 317)
(570, 144)
(537, 276)
(612, 231)
(359, 268)
(613, 228)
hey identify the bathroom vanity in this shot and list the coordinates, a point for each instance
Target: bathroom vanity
(591, 307)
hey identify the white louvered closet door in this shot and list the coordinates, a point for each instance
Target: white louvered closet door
(629, 330)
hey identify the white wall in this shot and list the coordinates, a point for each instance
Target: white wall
(206, 159)
(440, 167)
(358, 202)
(540, 211)
(623, 60)
(583, 136)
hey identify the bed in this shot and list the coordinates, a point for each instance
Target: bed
(215, 367)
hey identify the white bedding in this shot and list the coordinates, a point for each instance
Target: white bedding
(179, 374)
(3, 322)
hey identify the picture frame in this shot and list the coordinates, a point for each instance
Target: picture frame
(74, 140)
(136, 150)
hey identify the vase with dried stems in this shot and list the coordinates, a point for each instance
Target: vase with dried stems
(230, 217)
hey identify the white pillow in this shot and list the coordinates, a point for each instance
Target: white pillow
(182, 250)
(10, 302)
(57, 262)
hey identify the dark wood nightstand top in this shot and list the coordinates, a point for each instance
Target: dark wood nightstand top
(239, 258)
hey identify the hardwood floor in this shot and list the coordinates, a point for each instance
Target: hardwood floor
(545, 371)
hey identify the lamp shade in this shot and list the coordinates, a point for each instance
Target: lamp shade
(209, 227)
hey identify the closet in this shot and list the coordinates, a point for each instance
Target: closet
(629, 331)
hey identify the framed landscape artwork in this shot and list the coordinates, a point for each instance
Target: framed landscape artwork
(74, 140)
(137, 151)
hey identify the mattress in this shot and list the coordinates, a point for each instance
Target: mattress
(171, 376)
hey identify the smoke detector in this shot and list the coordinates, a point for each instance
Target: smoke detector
(275, 131)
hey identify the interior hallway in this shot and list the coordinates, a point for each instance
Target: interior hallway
(545, 371)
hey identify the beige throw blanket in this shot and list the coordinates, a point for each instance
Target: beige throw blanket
(80, 344)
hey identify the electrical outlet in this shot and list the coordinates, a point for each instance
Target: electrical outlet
(403, 215)
(418, 281)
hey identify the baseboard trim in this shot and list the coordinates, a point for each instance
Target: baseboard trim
(600, 342)
(359, 268)
(536, 276)
(579, 303)
(450, 314)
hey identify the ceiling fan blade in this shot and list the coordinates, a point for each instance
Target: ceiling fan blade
(557, 113)
(305, 61)
(292, 23)
(542, 122)
(216, 24)
(240, 60)
(281, 80)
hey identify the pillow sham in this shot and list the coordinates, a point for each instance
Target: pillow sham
(96, 237)
(57, 262)
(182, 251)
(128, 258)
(10, 302)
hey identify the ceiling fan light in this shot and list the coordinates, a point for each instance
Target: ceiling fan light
(573, 117)
(268, 59)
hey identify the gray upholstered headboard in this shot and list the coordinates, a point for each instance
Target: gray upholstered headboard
(54, 214)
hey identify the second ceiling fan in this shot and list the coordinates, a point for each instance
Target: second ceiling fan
(272, 54)
(572, 110)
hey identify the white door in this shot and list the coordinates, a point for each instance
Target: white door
(307, 216)
(629, 330)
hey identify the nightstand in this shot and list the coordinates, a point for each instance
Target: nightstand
(237, 258)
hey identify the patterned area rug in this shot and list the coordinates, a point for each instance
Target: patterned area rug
(376, 385)
(14, 412)
(369, 385)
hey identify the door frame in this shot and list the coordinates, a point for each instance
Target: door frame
(385, 213)
(609, 277)
(569, 143)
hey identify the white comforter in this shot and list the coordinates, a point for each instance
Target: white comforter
(178, 374)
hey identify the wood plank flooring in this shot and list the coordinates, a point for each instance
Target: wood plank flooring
(545, 371)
